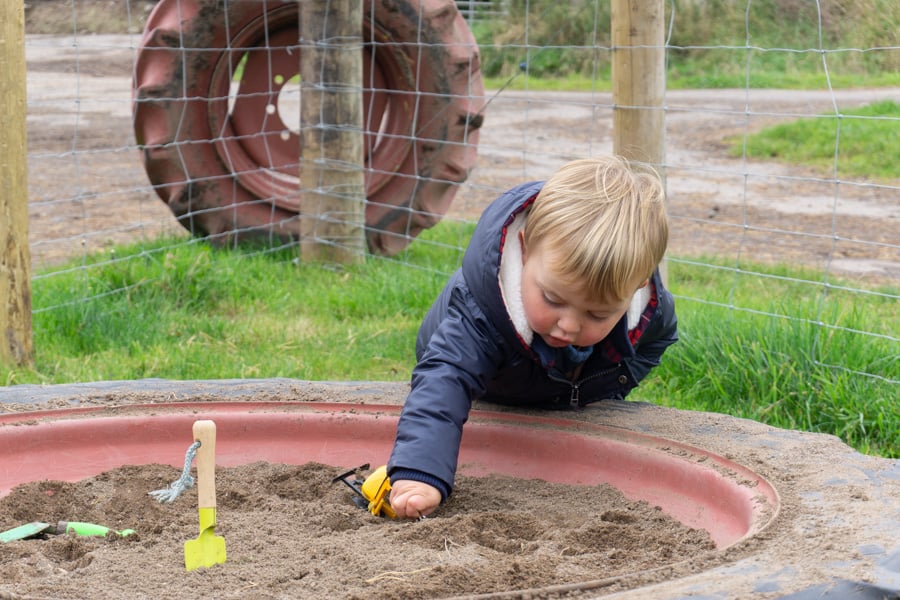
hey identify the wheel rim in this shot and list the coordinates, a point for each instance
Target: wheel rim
(257, 143)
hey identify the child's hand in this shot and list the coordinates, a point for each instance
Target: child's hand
(413, 499)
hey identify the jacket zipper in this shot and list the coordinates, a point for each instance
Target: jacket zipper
(575, 397)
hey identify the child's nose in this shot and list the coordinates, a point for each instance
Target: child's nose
(569, 323)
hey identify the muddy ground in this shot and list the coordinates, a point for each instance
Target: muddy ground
(88, 189)
(290, 532)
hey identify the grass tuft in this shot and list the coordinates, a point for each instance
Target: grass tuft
(862, 143)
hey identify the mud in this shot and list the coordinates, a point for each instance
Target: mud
(290, 532)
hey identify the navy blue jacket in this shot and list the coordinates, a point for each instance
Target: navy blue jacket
(468, 349)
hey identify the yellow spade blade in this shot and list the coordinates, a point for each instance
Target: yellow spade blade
(208, 549)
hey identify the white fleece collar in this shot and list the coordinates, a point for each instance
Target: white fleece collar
(511, 278)
(511, 284)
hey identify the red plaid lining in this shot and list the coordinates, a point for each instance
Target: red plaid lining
(609, 348)
(635, 334)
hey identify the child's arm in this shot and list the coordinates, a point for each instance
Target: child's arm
(461, 356)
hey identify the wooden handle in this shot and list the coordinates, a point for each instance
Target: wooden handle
(205, 433)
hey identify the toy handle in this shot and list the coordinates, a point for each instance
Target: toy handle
(205, 433)
(88, 529)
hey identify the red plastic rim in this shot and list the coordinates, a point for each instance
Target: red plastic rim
(696, 487)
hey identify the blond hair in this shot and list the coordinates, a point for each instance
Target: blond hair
(604, 221)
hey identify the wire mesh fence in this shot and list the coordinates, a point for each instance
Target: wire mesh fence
(91, 188)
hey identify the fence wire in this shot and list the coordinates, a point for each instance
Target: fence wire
(89, 192)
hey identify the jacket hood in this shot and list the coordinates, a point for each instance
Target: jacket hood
(482, 259)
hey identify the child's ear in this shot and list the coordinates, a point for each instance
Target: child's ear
(522, 242)
(644, 284)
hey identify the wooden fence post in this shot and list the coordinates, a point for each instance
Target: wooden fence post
(639, 82)
(16, 346)
(332, 220)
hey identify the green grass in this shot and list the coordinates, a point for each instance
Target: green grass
(187, 311)
(569, 83)
(196, 312)
(696, 76)
(865, 141)
(776, 365)
(709, 44)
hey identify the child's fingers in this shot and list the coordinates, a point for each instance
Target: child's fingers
(419, 506)
(413, 500)
(408, 505)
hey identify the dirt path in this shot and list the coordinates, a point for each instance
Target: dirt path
(88, 189)
(775, 213)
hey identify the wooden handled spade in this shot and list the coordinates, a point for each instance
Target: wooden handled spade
(208, 549)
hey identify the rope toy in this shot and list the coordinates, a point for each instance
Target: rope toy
(185, 482)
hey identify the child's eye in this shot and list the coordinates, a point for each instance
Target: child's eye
(597, 317)
(551, 301)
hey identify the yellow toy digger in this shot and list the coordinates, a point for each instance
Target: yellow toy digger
(371, 493)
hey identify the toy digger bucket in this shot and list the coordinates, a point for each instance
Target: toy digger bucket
(377, 488)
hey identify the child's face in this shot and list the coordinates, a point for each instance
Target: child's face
(560, 314)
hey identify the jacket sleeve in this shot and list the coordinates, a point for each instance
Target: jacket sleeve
(662, 333)
(457, 361)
